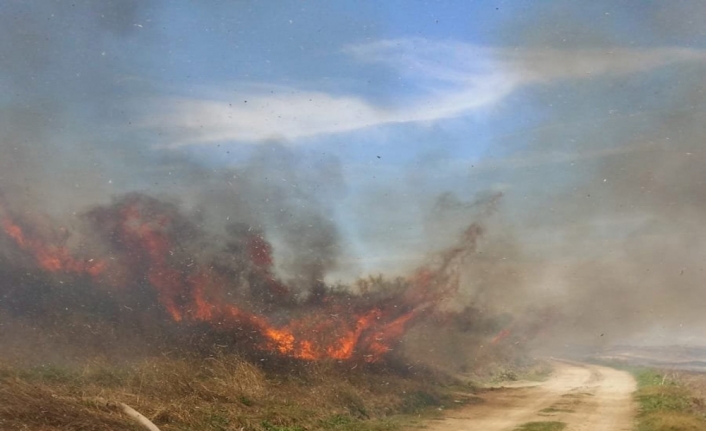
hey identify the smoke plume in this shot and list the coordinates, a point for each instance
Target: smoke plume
(616, 247)
(584, 229)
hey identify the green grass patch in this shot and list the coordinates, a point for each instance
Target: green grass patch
(50, 374)
(537, 373)
(666, 404)
(556, 410)
(418, 400)
(542, 426)
(348, 423)
(269, 427)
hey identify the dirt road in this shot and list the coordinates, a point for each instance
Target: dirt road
(585, 397)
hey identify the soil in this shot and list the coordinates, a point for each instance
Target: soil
(585, 397)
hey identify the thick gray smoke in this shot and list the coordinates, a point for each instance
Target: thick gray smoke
(62, 87)
(288, 196)
(601, 215)
(67, 89)
(613, 186)
(635, 226)
(598, 237)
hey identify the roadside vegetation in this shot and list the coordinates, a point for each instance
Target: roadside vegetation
(184, 378)
(528, 370)
(223, 393)
(542, 426)
(670, 401)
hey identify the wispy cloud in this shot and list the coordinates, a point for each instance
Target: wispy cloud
(456, 61)
(451, 79)
(534, 159)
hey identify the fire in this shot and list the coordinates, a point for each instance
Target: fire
(15, 232)
(51, 258)
(149, 237)
(501, 335)
(145, 235)
(346, 345)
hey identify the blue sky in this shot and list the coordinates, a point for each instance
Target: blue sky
(454, 94)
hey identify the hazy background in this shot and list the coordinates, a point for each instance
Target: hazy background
(362, 138)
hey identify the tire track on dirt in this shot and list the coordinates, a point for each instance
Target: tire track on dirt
(585, 397)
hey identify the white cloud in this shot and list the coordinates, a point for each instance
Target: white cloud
(452, 78)
(454, 61)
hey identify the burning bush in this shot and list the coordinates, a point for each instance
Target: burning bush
(143, 263)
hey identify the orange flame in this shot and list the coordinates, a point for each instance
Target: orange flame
(293, 339)
(51, 258)
(196, 293)
(501, 335)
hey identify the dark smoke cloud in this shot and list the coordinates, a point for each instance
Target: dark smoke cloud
(290, 196)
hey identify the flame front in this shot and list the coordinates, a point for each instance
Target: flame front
(148, 250)
(49, 257)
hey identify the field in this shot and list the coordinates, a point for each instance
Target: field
(221, 393)
(671, 400)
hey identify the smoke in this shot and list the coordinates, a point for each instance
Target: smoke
(596, 237)
(156, 262)
(107, 237)
(286, 194)
(62, 84)
(67, 83)
(637, 224)
(292, 198)
(612, 187)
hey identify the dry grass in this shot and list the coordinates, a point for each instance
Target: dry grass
(672, 421)
(542, 426)
(671, 401)
(220, 393)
